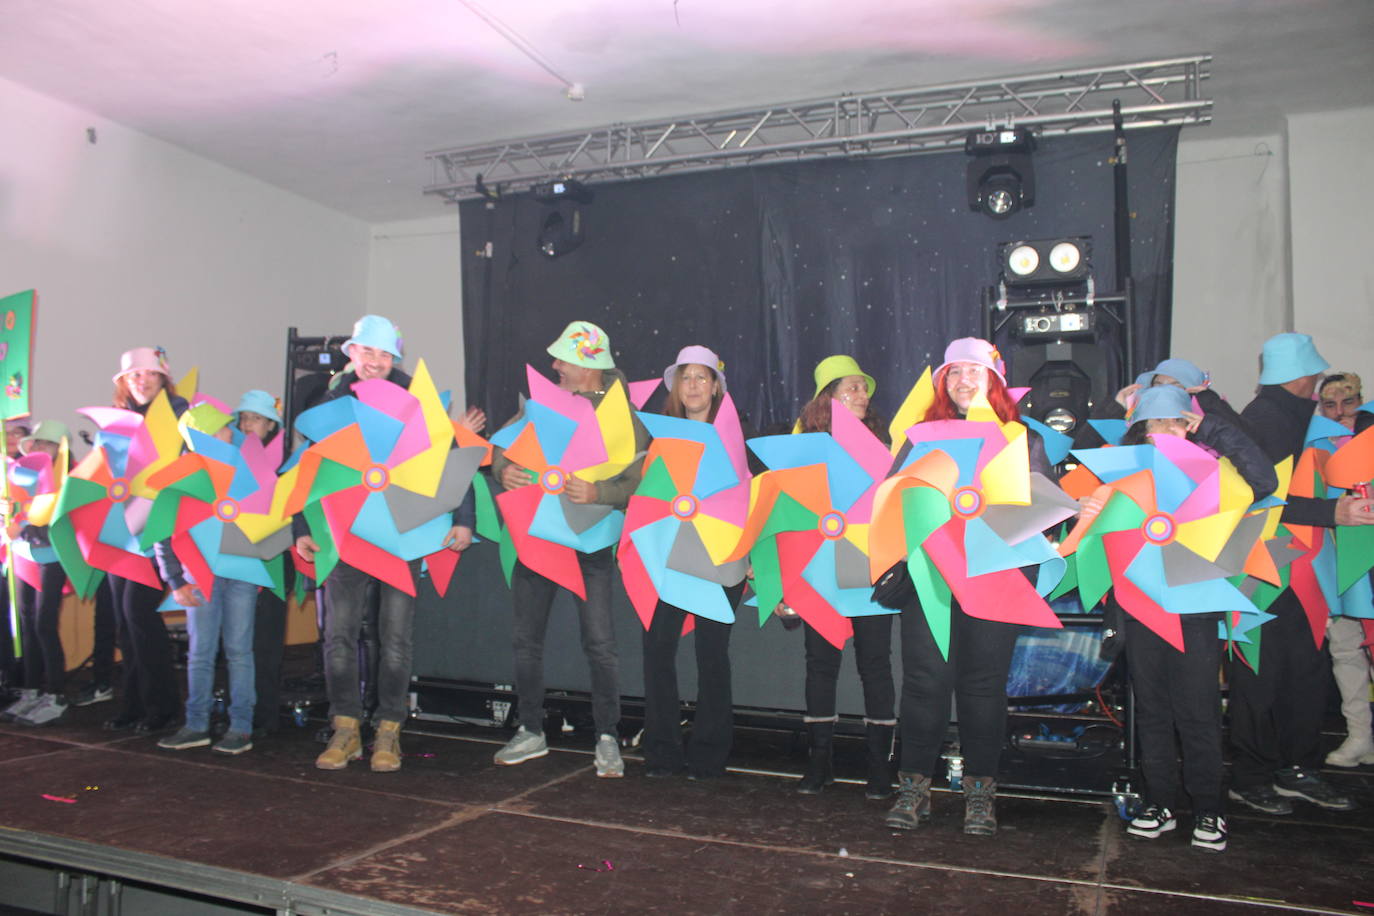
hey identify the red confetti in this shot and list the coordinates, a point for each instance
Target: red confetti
(595, 868)
(59, 798)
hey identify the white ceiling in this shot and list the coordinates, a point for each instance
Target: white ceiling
(338, 100)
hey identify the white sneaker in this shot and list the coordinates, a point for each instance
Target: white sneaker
(1354, 751)
(27, 697)
(526, 745)
(608, 762)
(47, 708)
(1209, 833)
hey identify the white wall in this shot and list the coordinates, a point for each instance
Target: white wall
(415, 279)
(131, 241)
(1232, 287)
(1333, 236)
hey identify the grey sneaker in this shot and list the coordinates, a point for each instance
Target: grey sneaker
(49, 707)
(92, 694)
(1261, 798)
(185, 738)
(27, 697)
(526, 745)
(1295, 782)
(608, 762)
(233, 743)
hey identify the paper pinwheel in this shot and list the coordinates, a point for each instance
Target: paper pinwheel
(966, 513)
(808, 528)
(686, 516)
(1352, 464)
(1167, 537)
(215, 504)
(380, 482)
(561, 434)
(35, 480)
(105, 500)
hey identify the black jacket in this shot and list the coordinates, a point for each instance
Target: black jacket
(1279, 420)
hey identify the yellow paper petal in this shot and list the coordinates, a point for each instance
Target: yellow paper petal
(161, 424)
(1284, 471)
(857, 534)
(421, 473)
(1206, 536)
(913, 409)
(41, 509)
(282, 492)
(720, 537)
(189, 384)
(617, 428)
(1006, 478)
(1235, 492)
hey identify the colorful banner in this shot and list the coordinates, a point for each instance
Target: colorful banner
(16, 344)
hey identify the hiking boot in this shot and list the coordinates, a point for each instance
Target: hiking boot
(980, 813)
(386, 747)
(1295, 782)
(609, 765)
(1261, 798)
(344, 745)
(913, 802)
(93, 693)
(185, 738)
(1209, 832)
(526, 745)
(49, 707)
(820, 771)
(1153, 822)
(233, 743)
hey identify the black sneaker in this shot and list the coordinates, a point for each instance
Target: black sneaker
(1295, 782)
(1152, 822)
(1209, 832)
(1261, 798)
(92, 694)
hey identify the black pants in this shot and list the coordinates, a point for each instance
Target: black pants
(150, 684)
(713, 725)
(269, 644)
(873, 658)
(1178, 692)
(102, 651)
(45, 664)
(1276, 715)
(975, 673)
(7, 663)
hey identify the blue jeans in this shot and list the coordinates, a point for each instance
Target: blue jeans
(346, 592)
(228, 615)
(532, 599)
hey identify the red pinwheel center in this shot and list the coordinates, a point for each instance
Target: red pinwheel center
(227, 510)
(553, 480)
(376, 477)
(967, 502)
(1159, 529)
(832, 525)
(119, 490)
(684, 506)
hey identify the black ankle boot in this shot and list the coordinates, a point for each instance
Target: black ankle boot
(879, 739)
(819, 770)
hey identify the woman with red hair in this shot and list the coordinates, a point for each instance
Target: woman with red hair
(975, 671)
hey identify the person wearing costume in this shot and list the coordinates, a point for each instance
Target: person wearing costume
(374, 351)
(583, 364)
(980, 651)
(1339, 398)
(839, 378)
(40, 609)
(1276, 712)
(1179, 691)
(15, 430)
(226, 618)
(150, 694)
(696, 386)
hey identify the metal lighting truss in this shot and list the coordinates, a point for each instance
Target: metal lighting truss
(892, 123)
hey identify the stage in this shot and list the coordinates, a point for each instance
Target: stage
(266, 832)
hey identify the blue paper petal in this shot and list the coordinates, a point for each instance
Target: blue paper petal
(1057, 444)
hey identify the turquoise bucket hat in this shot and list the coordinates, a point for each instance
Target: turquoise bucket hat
(376, 332)
(1163, 402)
(1286, 357)
(259, 402)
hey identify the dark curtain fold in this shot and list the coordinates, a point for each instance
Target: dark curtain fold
(777, 267)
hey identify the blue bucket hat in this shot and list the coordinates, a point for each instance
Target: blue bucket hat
(376, 332)
(260, 403)
(1286, 357)
(1187, 373)
(1164, 402)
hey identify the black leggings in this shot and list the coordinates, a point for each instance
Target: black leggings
(45, 664)
(873, 658)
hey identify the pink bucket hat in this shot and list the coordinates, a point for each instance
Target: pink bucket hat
(698, 355)
(154, 358)
(975, 350)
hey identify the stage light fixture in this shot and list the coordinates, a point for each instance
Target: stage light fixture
(561, 231)
(1000, 179)
(1063, 261)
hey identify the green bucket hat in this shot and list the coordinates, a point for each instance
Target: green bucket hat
(583, 344)
(47, 431)
(839, 366)
(204, 418)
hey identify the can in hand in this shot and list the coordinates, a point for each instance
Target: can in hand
(1360, 491)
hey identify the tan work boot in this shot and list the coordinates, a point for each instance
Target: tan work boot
(386, 747)
(346, 745)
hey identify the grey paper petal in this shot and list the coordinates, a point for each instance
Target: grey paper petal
(851, 566)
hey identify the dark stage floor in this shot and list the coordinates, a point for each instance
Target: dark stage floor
(453, 833)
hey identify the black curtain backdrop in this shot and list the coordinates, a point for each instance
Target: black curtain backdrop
(777, 267)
